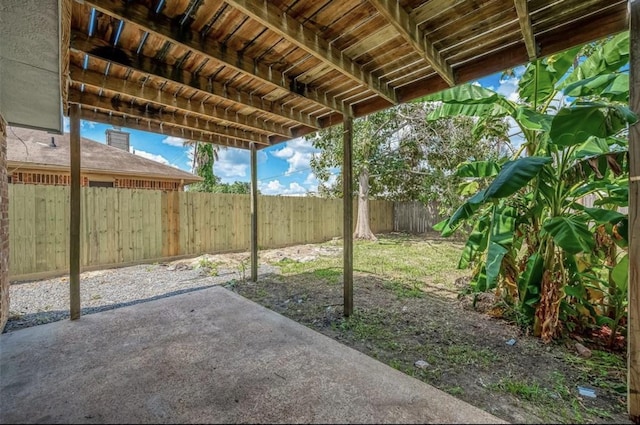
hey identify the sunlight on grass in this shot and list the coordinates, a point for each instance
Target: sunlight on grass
(408, 262)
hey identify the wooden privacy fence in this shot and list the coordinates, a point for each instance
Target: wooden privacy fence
(414, 217)
(121, 226)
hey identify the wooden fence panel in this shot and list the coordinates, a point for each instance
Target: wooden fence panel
(414, 217)
(122, 226)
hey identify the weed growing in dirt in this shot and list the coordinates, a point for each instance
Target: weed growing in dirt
(602, 370)
(404, 290)
(209, 266)
(523, 389)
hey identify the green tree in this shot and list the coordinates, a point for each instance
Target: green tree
(372, 136)
(532, 239)
(401, 156)
(204, 157)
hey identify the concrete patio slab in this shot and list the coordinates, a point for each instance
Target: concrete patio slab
(208, 356)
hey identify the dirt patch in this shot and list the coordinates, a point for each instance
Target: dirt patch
(478, 358)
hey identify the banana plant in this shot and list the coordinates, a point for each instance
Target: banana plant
(530, 234)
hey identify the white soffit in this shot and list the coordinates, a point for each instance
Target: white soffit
(30, 64)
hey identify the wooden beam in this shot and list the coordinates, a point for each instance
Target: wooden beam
(66, 8)
(145, 92)
(408, 28)
(98, 49)
(254, 213)
(177, 120)
(522, 9)
(95, 115)
(74, 211)
(633, 330)
(163, 27)
(296, 33)
(347, 206)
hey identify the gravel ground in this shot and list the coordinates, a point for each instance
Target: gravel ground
(44, 301)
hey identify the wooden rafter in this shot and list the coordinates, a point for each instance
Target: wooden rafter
(408, 28)
(176, 120)
(286, 26)
(146, 93)
(527, 30)
(162, 27)
(94, 48)
(96, 115)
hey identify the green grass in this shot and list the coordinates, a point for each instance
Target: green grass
(331, 275)
(523, 389)
(406, 264)
(369, 326)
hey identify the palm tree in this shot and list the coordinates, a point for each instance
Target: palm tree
(204, 157)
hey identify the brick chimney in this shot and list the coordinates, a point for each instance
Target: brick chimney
(118, 138)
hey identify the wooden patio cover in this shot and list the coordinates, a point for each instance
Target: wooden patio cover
(246, 71)
(251, 74)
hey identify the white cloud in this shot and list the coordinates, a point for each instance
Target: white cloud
(509, 88)
(298, 153)
(153, 157)
(66, 125)
(274, 187)
(311, 179)
(173, 141)
(232, 165)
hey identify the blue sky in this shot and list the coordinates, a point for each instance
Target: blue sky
(283, 169)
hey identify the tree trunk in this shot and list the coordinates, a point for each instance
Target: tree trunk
(363, 230)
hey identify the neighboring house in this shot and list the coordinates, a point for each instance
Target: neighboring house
(37, 157)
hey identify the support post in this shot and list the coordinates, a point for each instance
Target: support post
(347, 229)
(74, 210)
(633, 332)
(254, 213)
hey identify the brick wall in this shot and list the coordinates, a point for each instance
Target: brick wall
(4, 228)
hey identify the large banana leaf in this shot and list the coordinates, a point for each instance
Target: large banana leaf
(575, 125)
(532, 120)
(465, 211)
(495, 254)
(476, 243)
(447, 110)
(503, 224)
(464, 94)
(602, 216)
(469, 100)
(610, 58)
(570, 233)
(540, 77)
(514, 175)
(611, 86)
(478, 169)
(529, 283)
(620, 274)
(593, 146)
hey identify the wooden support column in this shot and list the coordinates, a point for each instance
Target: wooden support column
(74, 209)
(347, 229)
(633, 332)
(254, 213)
